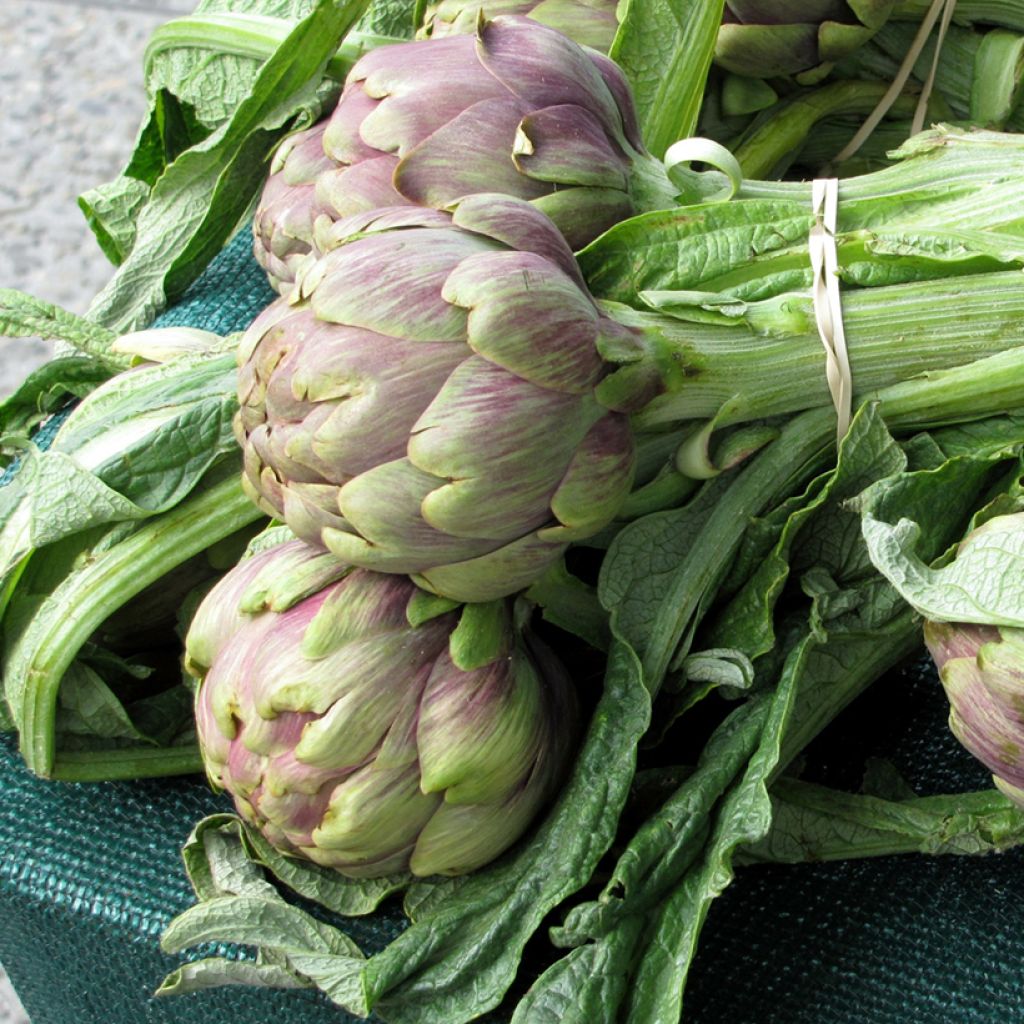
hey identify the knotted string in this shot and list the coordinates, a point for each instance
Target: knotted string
(828, 306)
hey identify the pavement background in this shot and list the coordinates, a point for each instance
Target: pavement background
(72, 82)
(71, 79)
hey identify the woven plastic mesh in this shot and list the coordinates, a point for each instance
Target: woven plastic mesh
(90, 875)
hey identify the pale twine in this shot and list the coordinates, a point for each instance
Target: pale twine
(828, 305)
(943, 7)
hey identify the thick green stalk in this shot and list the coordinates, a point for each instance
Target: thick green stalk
(771, 362)
(106, 580)
(249, 35)
(983, 388)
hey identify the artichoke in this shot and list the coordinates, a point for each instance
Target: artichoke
(587, 22)
(427, 402)
(367, 729)
(768, 38)
(518, 109)
(982, 671)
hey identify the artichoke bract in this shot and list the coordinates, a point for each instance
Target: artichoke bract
(426, 403)
(288, 206)
(367, 730)
(768, 38)
(982, 672)
(587, 22)
(517, 108)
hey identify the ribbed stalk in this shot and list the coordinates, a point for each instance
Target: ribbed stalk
(72, 612)
(770, 362)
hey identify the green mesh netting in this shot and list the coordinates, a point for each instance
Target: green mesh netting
(90, 875)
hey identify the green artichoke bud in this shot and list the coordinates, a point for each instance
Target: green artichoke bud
(427, 403)
(369, 729)
(517, 108)
(768, 38)
(587, 22)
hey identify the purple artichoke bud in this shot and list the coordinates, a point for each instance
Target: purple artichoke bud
(587, 22)
(982, 671)
(369, 744)
(517, 108)
(767, 38)
(283, 225)
(427, 404)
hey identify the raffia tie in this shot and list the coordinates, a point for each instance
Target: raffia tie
(828, 306)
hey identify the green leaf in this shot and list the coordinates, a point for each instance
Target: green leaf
(351, 897)
(24, 316)
(909, 521)
(216, 862)
(665, 49)
(252, 920)
(395, 18)
(580, 987)
(111, 211)
(813, 823)
(671, 839)
(88, 707)
(745, 816)
(116, 567)
(213, 972)
(567, 602)
(134, 448)
(201, 198)
(46, 389)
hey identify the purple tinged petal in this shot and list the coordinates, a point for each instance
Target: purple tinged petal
(374, 813)
(518, 225)
(623, 96)
(309, 509)
(589, 24)
(342, 141)
(421, 86)
(980, 723)
(383, 506)
(361, 715)
(545, 68)
(526, 316)
(779, 12)
(364, 604)
(331, 234)
(502, 571)
(220, 616)
(599, 477)
(582, 214)
(749, 50)
(390, 384)
(357, 188)
(301, 158)
(568, 145)
(478, 731)
(391, 283)
(483, 136)
(1014, 793)
(503, 445)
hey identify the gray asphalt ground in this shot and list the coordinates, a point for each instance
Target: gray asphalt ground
(71, 80)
